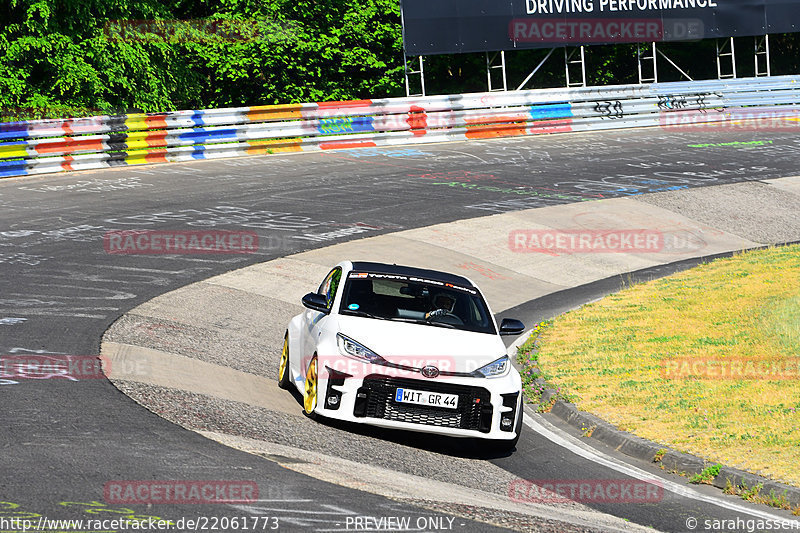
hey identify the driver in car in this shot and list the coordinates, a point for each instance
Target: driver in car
(443, 304)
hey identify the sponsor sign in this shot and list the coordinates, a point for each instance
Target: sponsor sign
(462, 26)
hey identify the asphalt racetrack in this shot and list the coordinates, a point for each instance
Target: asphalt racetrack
(63, 441)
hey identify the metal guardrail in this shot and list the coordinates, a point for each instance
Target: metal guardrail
(42, 146)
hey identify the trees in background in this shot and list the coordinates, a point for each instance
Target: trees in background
(62, 57)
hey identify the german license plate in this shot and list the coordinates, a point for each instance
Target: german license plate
(431, 399)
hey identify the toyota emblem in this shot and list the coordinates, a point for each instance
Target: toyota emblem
(429, 371)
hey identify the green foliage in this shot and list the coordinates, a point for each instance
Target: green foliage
(73, 56)
(707, 475)
(752, 493)
(56, 54)
(660, 455)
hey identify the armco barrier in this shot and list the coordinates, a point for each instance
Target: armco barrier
(41, 146)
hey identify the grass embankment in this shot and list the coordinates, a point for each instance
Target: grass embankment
(652, 359)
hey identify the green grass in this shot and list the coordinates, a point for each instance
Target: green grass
(707, 475)
(611, 356)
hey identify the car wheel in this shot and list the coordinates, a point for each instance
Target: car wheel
(310, 397)
(284, 381)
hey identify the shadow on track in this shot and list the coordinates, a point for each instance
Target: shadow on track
(465, 448)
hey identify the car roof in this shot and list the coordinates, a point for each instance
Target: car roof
(384, 268)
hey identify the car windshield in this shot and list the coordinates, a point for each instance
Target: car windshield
(412, 299)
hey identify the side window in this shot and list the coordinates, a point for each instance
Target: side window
(477, 317)
(330, 285)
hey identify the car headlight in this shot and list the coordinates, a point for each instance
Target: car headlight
(351, 348)
(495, 368)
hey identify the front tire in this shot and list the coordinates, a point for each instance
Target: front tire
(284, 381)
(310, 397)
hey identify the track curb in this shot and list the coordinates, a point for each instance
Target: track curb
(671, 460)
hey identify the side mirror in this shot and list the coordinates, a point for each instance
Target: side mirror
(511, 326)
(315, 302)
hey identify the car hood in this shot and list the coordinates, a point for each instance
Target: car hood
(418, 345)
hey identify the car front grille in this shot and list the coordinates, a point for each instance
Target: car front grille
(375, 399)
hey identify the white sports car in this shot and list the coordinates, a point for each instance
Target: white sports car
(404, 348)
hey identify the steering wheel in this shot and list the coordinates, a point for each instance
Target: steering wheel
(449, 317)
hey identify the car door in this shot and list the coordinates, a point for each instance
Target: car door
(314, 321)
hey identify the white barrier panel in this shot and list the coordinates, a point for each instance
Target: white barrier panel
(42, 146)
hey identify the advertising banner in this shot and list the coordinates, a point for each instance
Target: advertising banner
(459, 26)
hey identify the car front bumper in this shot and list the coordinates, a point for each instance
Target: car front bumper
(487, 407)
